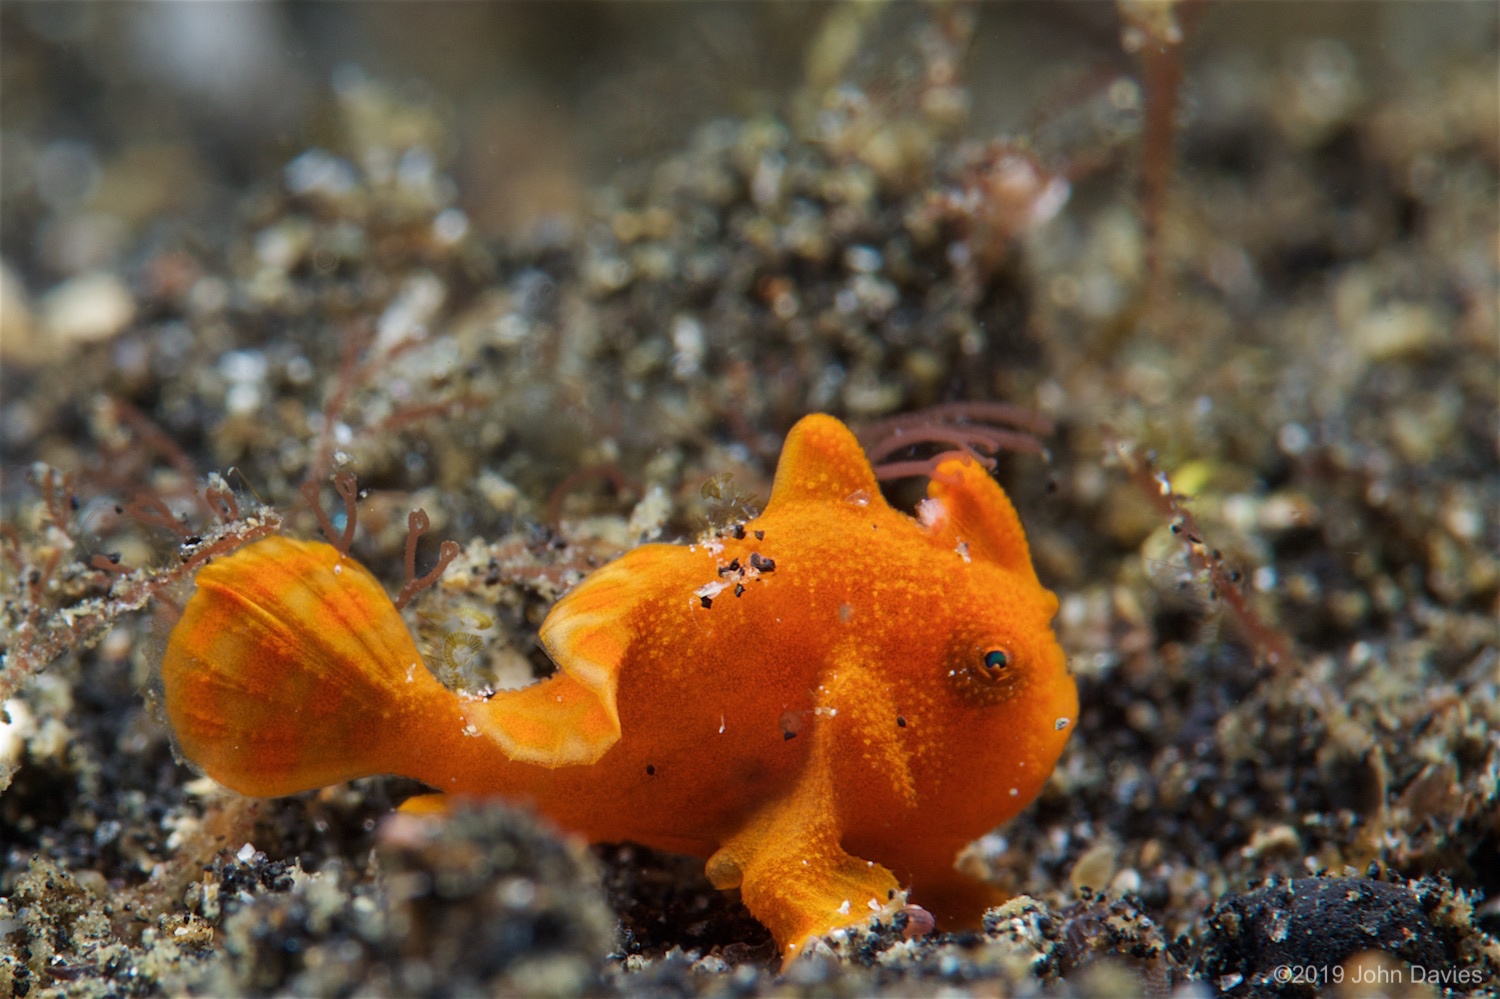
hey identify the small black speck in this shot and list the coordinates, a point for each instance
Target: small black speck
(739, 588)
(119, 509)
(1216, 553)
(900, 721)
(1195, 539)
(760, 535)
(707, 602)
(1234, 576)
(788, 736)
(1176, 529)
(739, 532)
(188, 542)
(650, 770)
(760, 563)
(73, 502)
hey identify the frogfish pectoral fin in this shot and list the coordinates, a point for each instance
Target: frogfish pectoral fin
(792, 873)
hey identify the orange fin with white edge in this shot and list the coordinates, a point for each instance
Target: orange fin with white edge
(291, 669)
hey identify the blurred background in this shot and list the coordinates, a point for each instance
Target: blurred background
(115, 116)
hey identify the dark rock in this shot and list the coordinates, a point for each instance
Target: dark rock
(1259, 940)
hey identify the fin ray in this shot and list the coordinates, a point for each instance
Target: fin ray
(291, 669)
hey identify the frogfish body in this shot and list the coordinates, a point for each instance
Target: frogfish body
(828, 702)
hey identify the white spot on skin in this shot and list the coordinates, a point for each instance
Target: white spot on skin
(1062, 723)
(844, 909)
(245, 853)
(1015, 792)
(874, 905)
(338, 570)
(931, 513)
(721, 724)
(963, 551)
(858, 498)
(471, 730)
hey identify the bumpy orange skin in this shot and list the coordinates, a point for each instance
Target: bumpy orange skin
(809, 704)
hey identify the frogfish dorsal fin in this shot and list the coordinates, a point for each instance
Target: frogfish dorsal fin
(973, 511)
(823, 462)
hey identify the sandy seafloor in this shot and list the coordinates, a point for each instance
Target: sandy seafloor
(544, 271)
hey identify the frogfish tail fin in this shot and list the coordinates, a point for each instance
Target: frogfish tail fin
(291, 669)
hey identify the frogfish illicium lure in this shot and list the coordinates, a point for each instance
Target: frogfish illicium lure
(828, 702)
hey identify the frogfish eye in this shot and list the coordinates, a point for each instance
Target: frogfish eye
(986, 676)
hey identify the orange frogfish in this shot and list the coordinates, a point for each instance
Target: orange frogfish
(828, 702)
